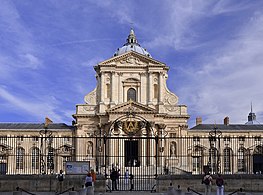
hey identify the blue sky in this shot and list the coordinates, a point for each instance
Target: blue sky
(48, 50)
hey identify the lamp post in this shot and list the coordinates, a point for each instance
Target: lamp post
(45, 133)
(214, 151)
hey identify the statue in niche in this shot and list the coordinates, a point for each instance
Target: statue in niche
(172, 150)
(90, 148)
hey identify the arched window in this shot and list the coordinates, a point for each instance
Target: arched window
(35, 158)
(20, 157)
(50, 158)
(241, 160)
(131, 94)
(197, 156)
(213, 158)
(227, 159)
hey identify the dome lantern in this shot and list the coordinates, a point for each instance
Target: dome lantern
(131, 45)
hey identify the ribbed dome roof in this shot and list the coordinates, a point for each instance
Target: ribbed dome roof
(132, 45)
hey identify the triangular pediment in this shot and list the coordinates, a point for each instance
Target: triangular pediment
(132, 107)
(132, 58)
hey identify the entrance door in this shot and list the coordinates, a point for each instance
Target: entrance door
(3, 168)
(131, 153)
(258, 163)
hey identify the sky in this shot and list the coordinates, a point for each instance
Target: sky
(48, 49)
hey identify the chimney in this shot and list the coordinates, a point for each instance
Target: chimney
(198, 120)
(48, 121)
(226, 120)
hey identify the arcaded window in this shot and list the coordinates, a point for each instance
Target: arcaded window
(241, 159)
(131, 94)
(20, 155)
(35, 158)
(50, 158)
(227, 159)
(213, 158)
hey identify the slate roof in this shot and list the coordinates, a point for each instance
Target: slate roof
(35, 126)
(232, 127)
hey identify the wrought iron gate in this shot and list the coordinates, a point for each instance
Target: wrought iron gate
(131, 154)
(132, 161)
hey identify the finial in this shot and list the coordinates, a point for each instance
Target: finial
(131, 23)
(251, 108)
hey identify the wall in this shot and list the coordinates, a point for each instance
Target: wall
(45, 183)
(251, 183)
(34, 183)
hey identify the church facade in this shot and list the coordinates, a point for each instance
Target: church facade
(132, 121)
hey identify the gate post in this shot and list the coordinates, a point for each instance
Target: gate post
(105, 155)
(156, 154)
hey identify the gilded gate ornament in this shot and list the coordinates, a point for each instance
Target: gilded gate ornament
(131, 127)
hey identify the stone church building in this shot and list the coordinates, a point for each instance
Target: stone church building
(132, 121)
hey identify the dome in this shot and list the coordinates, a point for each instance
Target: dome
(132, 45)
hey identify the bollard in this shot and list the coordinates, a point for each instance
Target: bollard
(73, 193)
(17, 193)
(90, 190)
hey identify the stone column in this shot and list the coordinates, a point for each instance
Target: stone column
(143, 88)
(102, 87)
(120, 88)
(113, 89)
(102, 93)
(150, 88)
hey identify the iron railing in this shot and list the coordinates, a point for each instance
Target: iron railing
(146, 157)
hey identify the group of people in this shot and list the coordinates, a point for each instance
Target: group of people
(114, 176)
(89, 179)
(208, 181)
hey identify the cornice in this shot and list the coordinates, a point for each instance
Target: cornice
(131, 53)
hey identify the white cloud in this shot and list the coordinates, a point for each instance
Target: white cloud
(122, 11)
(37, 108)
(30, 61)
(228, 80)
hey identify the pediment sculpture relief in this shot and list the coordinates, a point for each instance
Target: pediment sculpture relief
(132, 60)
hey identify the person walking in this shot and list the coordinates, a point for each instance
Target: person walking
(93, 175)
(131, 181)
(114, 177)
(220, 185)
(126, 176)
(207, 181)
(88, 180)
(60, 178)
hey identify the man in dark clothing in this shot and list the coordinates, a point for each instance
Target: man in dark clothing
(114, 176)
(131, 181)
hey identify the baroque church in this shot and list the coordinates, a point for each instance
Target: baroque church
(132, 121)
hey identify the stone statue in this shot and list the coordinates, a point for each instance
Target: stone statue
(90, 148)
(172, 150)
